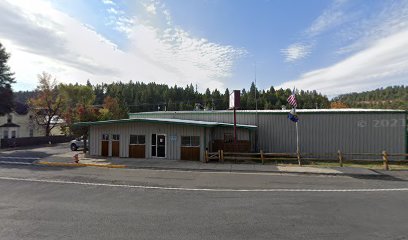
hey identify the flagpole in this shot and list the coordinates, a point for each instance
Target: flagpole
(292, 116)
(297, 144)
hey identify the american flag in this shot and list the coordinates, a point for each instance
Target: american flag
(292, 99)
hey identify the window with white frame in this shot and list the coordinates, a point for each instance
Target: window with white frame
(105, 137)
(115, 137)
(190, 141)
(137, 139)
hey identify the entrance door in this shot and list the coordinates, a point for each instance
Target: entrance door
(115, 145)
(161, 145)
(105, 145)
(105, 148)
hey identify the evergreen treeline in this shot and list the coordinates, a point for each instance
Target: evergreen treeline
(140, 97)
(394, 97)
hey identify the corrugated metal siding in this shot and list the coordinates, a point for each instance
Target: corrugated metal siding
(125, 130)
(318, 132)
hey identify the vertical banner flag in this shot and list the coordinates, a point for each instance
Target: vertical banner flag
(292, 101)
(293, 116)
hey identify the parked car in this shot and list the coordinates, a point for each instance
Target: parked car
(77, 143)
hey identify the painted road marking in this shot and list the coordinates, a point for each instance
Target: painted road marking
(9, 162)
(205, 189)
(25, 158)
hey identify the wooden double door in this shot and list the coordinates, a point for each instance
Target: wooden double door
(115, 146)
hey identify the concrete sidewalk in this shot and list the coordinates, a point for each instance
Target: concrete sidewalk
(66, 159)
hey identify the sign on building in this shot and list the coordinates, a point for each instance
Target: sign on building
(235, 99)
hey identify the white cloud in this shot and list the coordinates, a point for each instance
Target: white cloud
(50, 40)
(151, 8)
(383, 63)
(108, 2)
(391, 19)
(330, 18)
(295, 52)
(113, 11)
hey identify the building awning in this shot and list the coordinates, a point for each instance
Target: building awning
(166, 121)
(10, 125)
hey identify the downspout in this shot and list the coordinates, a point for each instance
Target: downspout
(205, 140)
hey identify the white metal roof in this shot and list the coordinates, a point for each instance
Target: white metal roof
(334, 110)
(167, 121)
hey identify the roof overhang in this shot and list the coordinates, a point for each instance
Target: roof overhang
(165, 121)
(10, 125)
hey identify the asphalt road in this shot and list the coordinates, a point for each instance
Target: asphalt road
(30, 155)
(96, 203)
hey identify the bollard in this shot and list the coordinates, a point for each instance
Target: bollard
(262, 158)
(219, 155)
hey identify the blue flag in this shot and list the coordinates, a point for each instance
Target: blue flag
(293, 116)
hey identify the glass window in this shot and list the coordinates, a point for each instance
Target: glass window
(115, 137)
(228, 137)
(13, 134)
(195, 141)
(137, 139)
(5, 134)
(190, 141)
(105, 137)
(185, 141)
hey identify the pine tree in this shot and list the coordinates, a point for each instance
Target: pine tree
(6, 79)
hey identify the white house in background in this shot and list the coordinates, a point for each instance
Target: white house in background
(14, 125)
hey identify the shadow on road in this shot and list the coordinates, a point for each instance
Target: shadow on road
(36, 167)
(380, 176)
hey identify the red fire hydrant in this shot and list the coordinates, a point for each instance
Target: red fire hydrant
(76, 158)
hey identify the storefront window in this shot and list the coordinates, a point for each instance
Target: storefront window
(190, 141)
(137, 139)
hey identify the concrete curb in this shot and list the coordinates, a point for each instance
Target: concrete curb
(375, 175)
(62, 164)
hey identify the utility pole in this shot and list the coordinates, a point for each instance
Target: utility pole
(256, 111)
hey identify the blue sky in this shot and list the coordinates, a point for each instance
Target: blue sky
(335, 47)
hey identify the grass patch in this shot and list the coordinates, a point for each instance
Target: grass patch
(369, 165)
(375, 165)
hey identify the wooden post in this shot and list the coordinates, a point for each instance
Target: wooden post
(222, 155)
(206, 155)
(262, 158)
(340, 156)
(219, 155)
(385, 158)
